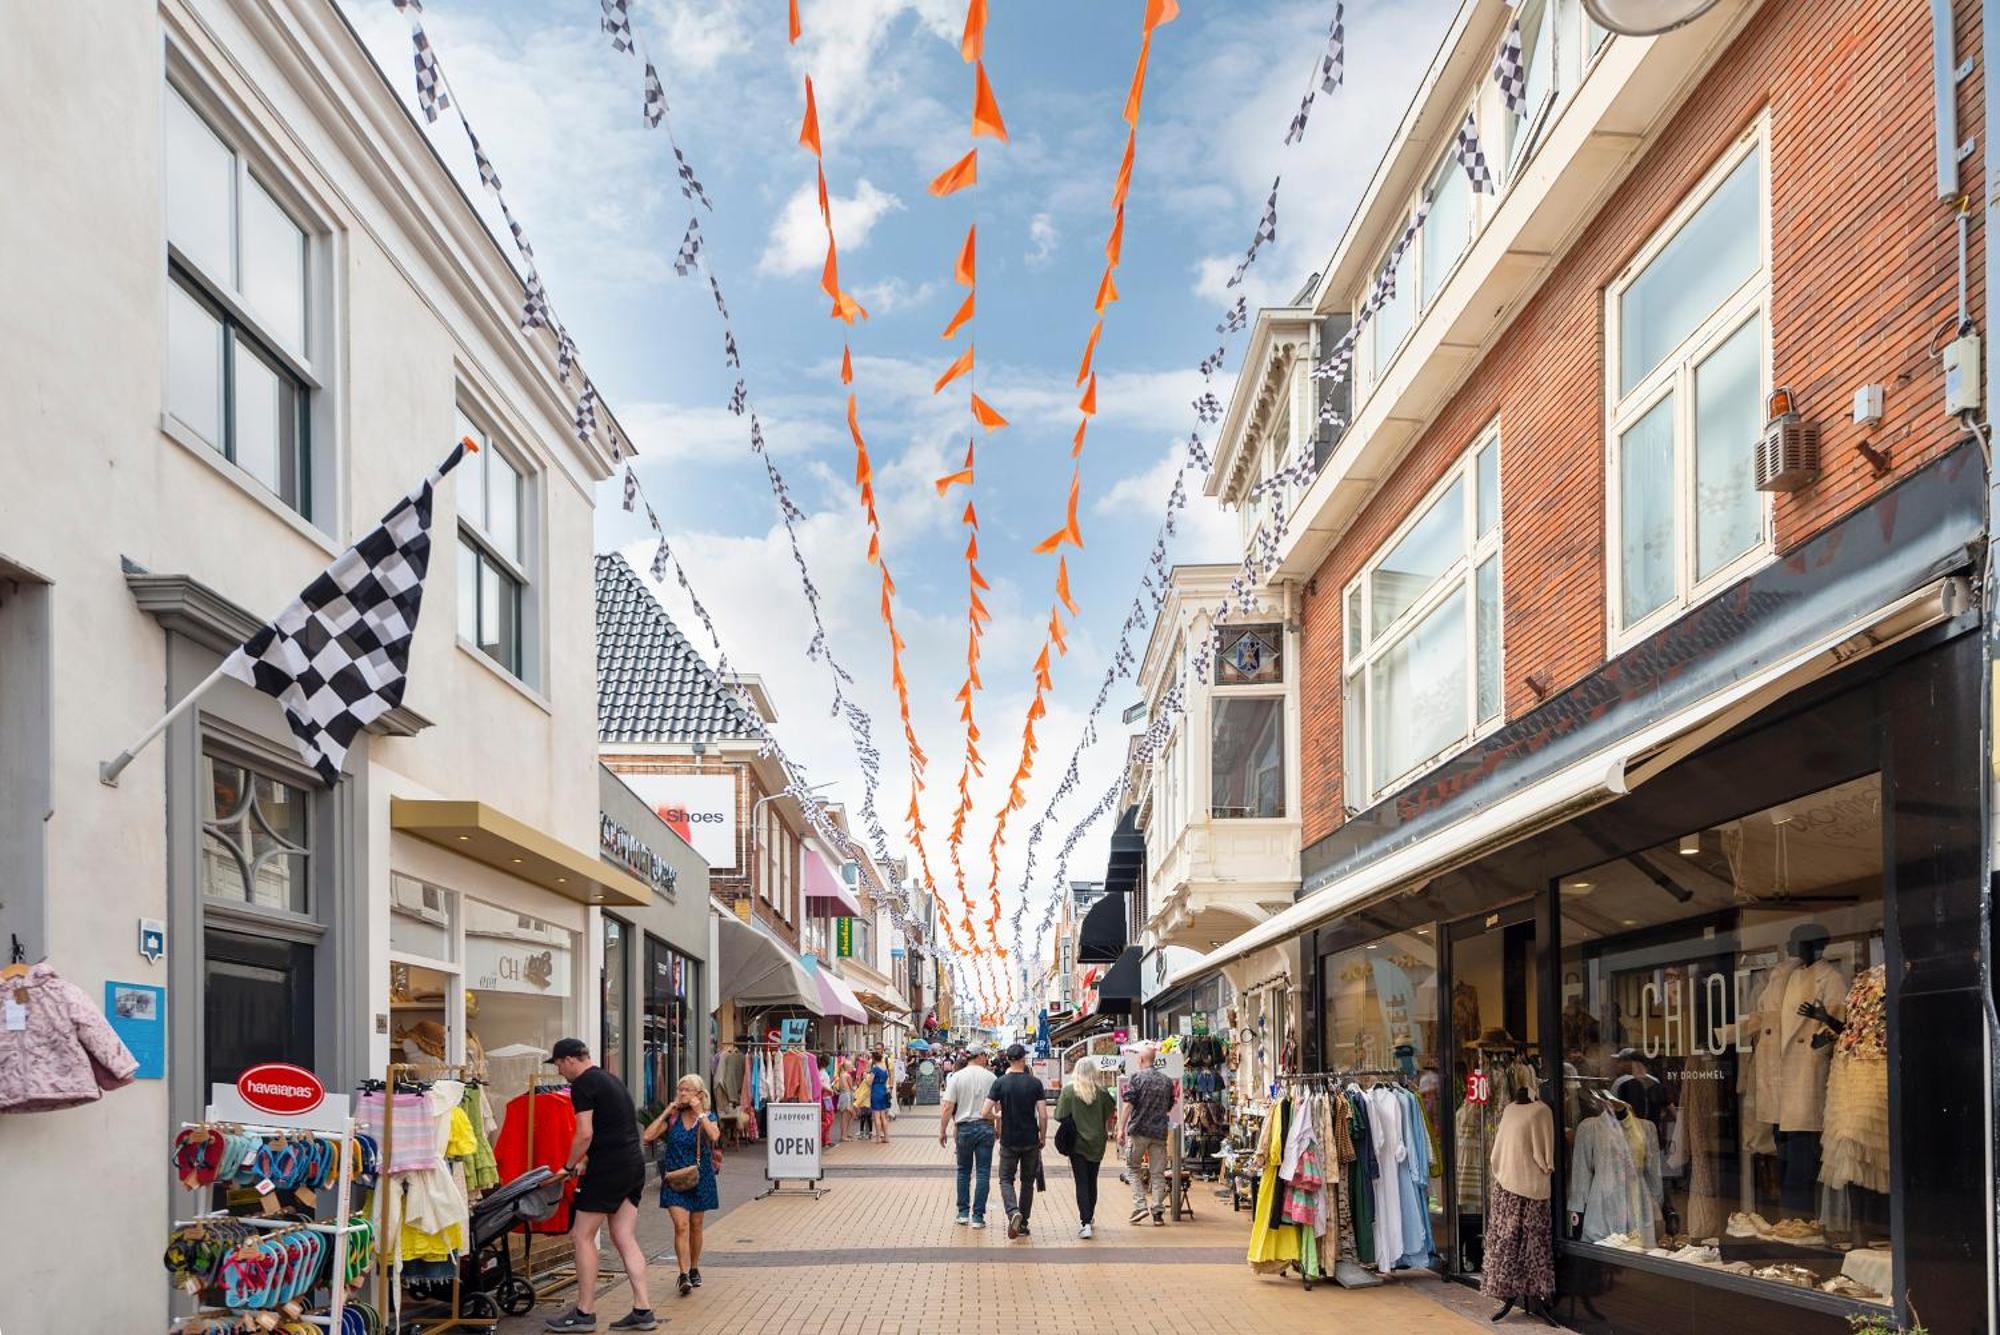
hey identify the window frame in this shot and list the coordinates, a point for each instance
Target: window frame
(308, 363)
(1279, 691)
(1380, 360)
(1460, 579)
(1523, 130)
(520, 570)
(1674, 374)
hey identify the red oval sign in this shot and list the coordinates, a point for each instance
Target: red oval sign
(281, 1089)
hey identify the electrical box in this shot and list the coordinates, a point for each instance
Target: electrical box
(1868, 405)
(1961, 374)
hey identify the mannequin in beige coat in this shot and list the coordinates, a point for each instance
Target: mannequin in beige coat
(1791, 1069)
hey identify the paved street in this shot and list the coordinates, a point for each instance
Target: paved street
(880, 1255)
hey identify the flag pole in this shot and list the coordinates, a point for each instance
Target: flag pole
(109, 770)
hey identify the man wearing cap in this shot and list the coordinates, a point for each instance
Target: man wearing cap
(962, 1114)
(610, 1169)
(1017, 1100)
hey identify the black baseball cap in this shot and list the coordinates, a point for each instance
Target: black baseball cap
(568, 1047)
(1015, 1052)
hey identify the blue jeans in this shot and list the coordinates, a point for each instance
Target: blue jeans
(975, 1153)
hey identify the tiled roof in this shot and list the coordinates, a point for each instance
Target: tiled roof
(651, 684)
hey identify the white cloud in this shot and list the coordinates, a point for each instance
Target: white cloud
(798, 239)
(1204, 531)
(1042, 239)
(893, 294)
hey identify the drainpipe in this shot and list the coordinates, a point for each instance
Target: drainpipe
(1989, 318)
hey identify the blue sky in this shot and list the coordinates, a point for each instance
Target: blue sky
(559, 113)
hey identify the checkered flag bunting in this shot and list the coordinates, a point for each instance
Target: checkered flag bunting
(690, 183)
(1508, 71)
(690, 250)
(338, 657)
(617, 21)
(656, 97)
(1333, 68)
(586, 412)
(487, 176)
(535, 303)
(1472, 157)
(632, 490)
(431, 96)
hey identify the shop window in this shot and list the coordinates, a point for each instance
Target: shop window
(521, 993)
(239, 375)
(421, 919)
(672, 990)
(1687, 377)
(1725, 1053)
(494, 550)
(1248, 768)
(1422, 672)
(256, 838)
(617, 990)
(257, 1004)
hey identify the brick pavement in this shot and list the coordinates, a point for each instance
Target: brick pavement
(878, 1254)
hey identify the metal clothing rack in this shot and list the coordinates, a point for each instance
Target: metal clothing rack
(456, 1319)
(562, 1274)
(1345, 1272)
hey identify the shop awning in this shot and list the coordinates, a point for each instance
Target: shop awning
(1100, 938)
(837, 999)
(1126, 866)
(827, 895)
(758, 972)
(886, 1008)
(1119, 992)
(477, 831)
(1602, 777)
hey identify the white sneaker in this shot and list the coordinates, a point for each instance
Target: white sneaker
(979, 1223)
(1084, 1232)
(964, 1219)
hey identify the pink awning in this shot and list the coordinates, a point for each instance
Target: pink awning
(838, 1001)
(827, 895)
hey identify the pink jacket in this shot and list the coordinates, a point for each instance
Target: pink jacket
(68, 1054)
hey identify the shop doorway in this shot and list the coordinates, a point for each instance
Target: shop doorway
(257, 1004)
(1491, 1049)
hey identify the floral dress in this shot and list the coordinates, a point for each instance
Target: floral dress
(686, 1145)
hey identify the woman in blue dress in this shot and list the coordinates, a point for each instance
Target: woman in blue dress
(878, 1095)
(692, 1139)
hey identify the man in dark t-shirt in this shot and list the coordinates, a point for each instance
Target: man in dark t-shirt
(1017, 1101)
(610, 1170)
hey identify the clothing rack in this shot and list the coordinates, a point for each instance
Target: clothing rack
(393, 1085)
(561, 1275)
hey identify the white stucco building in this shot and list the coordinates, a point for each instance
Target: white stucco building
(248, 308)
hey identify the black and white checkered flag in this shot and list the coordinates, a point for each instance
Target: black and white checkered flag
(1508, 71)
(1472, 157)
(690, 183)
(690, 250)
(431, 95)
(1333, 68)
(487, 176)
(617, 21)
(338, 657)
(656, 97)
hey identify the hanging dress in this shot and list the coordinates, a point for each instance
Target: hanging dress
(1272, 1243)
(1385, 1128)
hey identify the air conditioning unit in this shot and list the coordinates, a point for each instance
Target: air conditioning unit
(1788, 451)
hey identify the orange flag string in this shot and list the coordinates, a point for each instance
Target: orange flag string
(959, 175)
(955, 370)
(958, 320)
(985, 108)
(967, 260)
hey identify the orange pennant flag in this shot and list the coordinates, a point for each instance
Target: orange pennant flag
(1161, 11)
(950, 480)
(794, 25)
(1089, 351)
(1114, 244)
(854, 427)
(958, 320)
(874, 548)
(1076, 449)
(1069, 532)
(845, 307)
(984, 411)
(1139, 77)
(829, 276)
(955, 370)
(978, 579)
(1062, 587)
(970, 517)
(1056, 633)
(809, 128)
(1088, 403)
(846, 365)
(825, 206)
(972, 46)
(972, 546)
(959, 175)
(985, 108)
(966, 256)
(979, 612)
(1107, 290)
(1124, 182)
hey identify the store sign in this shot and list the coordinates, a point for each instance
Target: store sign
(497, 964)
(625, 850)
(843, 939)
(700, 808)
(792, 1145)
(281, 1089)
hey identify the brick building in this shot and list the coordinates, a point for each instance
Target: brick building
(1614, 738)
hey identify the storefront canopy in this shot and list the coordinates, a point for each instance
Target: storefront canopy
(1118, 994)
(1100, 938)
(475, 830)
(1605, 775)
(827, 895)
(1126, 866)
(837, 999)
(881, 1007)
(757, 972)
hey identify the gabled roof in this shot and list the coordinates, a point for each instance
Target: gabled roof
(651, 684)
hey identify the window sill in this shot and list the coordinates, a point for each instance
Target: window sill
(1748, 1286)
(250, 486)
(534, 696)
(1618, 641)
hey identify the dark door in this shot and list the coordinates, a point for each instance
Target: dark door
(257, 1001)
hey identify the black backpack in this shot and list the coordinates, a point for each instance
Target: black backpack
(1065, 1136)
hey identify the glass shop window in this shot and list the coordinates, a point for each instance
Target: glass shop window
(521, 994)
(1725, 1052)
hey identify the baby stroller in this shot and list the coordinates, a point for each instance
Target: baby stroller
(487, 1280)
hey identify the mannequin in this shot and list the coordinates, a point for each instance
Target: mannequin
(1614, 1177)
(1519, 1263)
(1795, 1025)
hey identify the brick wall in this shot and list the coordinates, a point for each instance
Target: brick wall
(1863, 272)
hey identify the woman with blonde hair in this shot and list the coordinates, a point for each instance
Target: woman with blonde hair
(1089, 1110)
(688, 1166)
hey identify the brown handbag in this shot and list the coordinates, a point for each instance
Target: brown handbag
(682, 1179)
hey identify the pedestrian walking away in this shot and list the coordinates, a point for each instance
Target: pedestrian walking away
(1150, 1096)
(878, 1096)
(1087, 1108)
(688, 1164)
(610, 1168)
(1017, 1101)
(962, 1114)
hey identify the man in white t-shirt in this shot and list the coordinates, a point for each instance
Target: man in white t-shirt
(962, 1111)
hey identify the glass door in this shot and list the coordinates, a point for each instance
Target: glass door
(1491, 1043)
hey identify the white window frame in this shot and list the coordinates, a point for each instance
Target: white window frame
(314, 363)
(1380, 360)
(1269, 690)
(1675, 374)
(1523, 132)
(522, 569)
(1459, 580)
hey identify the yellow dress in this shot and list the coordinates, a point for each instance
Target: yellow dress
(417, 1245)
(1271, 1246)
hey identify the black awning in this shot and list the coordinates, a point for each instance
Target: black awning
(1119, 990)
(1127, 864)
(1101, 938)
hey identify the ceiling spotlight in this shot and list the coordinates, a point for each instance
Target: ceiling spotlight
(1574, 888)
(1645, 18)
(1691, 844)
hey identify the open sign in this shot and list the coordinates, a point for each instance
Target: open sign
(281, 1089)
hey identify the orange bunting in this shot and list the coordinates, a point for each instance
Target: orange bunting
(950, 480)
(846, 365)
(809, 128)
(1107, 290)
(825, 205)
(1076, 448)
(829, 277)
(985, 108)
(972, 46)
(845, 307)
(955, 370)
(966, 258)
(1087, 405)
(1069, 532)
(958, 320)
(1138, 78)
(1161, 11)
(793, 26)
(983, 411)
(1124, 182)
(970, 518)
(1114, 244)
(959, 175)
(1062, 586)
(1089, 351)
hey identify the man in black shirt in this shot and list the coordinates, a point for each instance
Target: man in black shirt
(611, 1177)
(1016, 1099)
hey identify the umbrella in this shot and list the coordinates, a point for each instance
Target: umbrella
(918, 1045)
